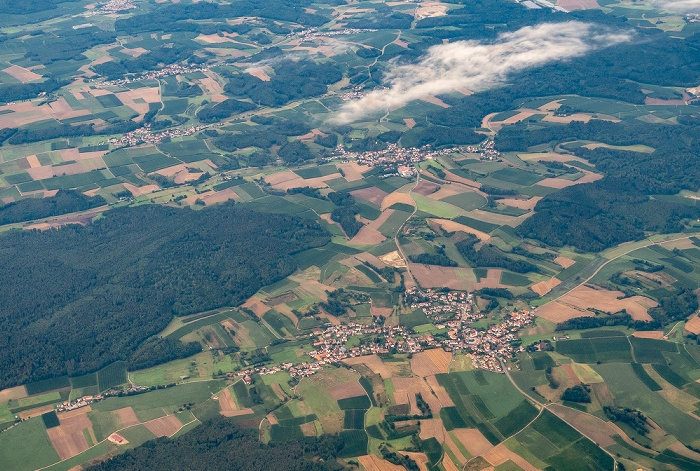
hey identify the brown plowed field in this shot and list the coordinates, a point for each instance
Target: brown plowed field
(473, 441)
(439, 391)
(373, 362)
(412, 386)
(165, 426)
(569, 370)
(596, 429)
(584, 297)
(556, 312)
(397, 197)
(227, 404)
(451, 226)
(127, 417)
(347, 390)
(426, 188)
(432, 428)
(544, 287)
(528, 204)
(693, 325)
(374, 463)
(68, 438)
(371, 194)
(564, 262)
(501, 451)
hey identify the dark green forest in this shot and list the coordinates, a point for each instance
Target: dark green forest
(78, 298)
(64, 202)
(220, 444)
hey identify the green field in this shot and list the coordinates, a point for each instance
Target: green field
(27, 446)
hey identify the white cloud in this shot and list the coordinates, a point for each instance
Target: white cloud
(477, 66)
(679, 6)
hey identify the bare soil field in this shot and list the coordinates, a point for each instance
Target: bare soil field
(309, 430)
(393, 259)
(557, 183)
(503, 451)
(435, 101)
(492, 218)
(140, 190)
(564, 262)
(556, 312)
(433, 276)
(693, 325)
(259, 72)
(411, 386)
(528, 204)
(451, 226)
(22, 74)
(440, 358)
(373, 362)
(353, 171)
(371, 194)
(569, 370)
(544, 287)
(374, 463)
(34, 412)
(396, 197)
(432, 428)
(256, 305)
(492, 280)
(589, 177)
(344, 391)
(18, 392)
(426, 188)
(456, 178)
(368, 257)
(410, 122)
(650, 334)
(127, 417)
(227, 403)
(164, 426)
(445, 191)
(473, 441)
(584, 297)
(439, 391)
(422, 365)
(135, 52)
(68, 438)
(593, 427)
(401, 397)
(369, 233)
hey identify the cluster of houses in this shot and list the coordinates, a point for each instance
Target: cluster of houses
(314, 32)
(112, 6)
(172, 69)
(142, 135)
(301, 370)
(87, 400)
(394, 155)
(487, 150)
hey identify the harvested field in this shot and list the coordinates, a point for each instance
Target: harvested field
(445, 191)
(381, 311)
(127, 417)
(8, 394)
(135, 52)
(227, 403)
(353, 171)
(594, 428)
(410, 122)
(68, 438)
(433, 276)
(374, 463)
(435, 101)
(650, 334)
(371, 194)
(373, 362)
(528, 204)
(456, 178)
(309, 429)
(344, 391)
(22, 74)
(492, 218)
(420, 458)
(569, 370)
(425, 188)
(34, 412)
(33, 161)
(584, 297)
(693, 325)
(369, 233)
(368, 257)
(401, 397)
(440, 358)
(513, 119)
(431, 362)
(281, 177)
(432, 428)
(397, 197)
(164, 426)
(451, 226)
(557, 183)
(439, 391)
(473, 441)
(411, 386)
(556, 312)
(393, 259)
(564, 262)
(492, 280)
(502, 451)
(259, 72)
(140, 190)
(450, 466)
(544, 287)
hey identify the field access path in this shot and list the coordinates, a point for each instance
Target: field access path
(402, 254)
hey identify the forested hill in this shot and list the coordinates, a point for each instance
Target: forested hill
(78, 298)
(220, 444)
